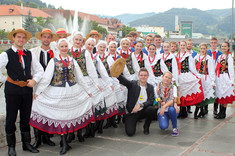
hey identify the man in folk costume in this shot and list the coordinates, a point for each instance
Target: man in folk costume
(60, 33)
(214, 53)
(43, 54)
(95, 35)
(23, 71)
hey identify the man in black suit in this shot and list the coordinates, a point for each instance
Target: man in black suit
(139, 102)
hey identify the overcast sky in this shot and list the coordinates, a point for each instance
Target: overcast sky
(117, 7)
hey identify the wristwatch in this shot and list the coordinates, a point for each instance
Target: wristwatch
(141, 105)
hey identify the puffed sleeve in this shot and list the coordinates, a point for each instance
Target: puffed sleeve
(91, 70)
(46, 77)
(135, 64)
(163, 66)
(79, 77)
(211, 70)
(192, 66)
(231, 68)
(102, 71)
(36, 69)
(3, 63)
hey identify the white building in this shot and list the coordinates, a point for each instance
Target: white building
(146, 29)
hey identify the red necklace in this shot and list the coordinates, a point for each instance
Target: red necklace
(102, 57)
(76, 55)
(150, 59)
(139, 58)
(179, 63)
(115, 57)
(65, 64)
(123, 55)
(164, 59)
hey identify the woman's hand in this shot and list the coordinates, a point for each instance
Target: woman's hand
(99, 88)
(35, 96)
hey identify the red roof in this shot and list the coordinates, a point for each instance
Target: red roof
(10, 10)
(67, 13)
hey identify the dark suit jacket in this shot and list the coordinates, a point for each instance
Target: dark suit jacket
(134, 92)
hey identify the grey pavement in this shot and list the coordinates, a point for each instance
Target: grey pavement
(206, 137)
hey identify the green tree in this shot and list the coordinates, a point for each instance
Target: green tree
(32, 5)
(29, 24)
(3, 35)
(126, 30)
(95, 26)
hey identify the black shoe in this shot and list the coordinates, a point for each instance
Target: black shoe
(195, 113)
(216, 108)
(146, 130)
(79, 135)
(88, 131)
(202, 112)
(108, 124)
(92, 130)
(113, 123)
(65, 146)
(222, 113)
(189, 109)
(180, 113)
(38, 138)
(206, 109)
(11, 142)
(46, 139)
(100, 126)
(25, 136)
(71, 137)
(184, 113)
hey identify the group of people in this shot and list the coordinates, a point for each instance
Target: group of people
(68, 87)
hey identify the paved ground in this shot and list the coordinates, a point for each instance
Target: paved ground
(207, 136)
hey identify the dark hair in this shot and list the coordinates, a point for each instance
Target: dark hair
(128, 35)
(152, 44)
(158, 36)
(143, 70)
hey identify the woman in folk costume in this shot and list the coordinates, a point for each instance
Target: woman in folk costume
(205, 67)
(190, 85)
(62, 100)
(157, 64)
(106, 84)
(170, 61)
(119, 90)
(132, 68)
(224, 89)
(143, 61)
(75, 51)
(87, 62)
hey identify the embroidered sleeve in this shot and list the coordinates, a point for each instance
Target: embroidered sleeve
(46, 77)
(135, 64)
(211, 70)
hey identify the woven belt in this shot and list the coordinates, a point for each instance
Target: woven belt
(18, 83)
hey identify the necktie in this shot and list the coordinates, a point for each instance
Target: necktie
(20, 53)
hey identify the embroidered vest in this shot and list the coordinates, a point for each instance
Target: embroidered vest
(157, 69)
(81, 60)
(105, 63)
(129, 64)
(202, 69)
(185, 65)
(224, 67)
(63, 74)
(169, 64)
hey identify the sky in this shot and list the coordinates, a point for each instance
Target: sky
(117, 7)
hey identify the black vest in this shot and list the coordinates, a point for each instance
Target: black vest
(41, 59)
(16, 72)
